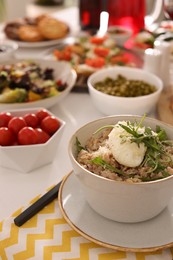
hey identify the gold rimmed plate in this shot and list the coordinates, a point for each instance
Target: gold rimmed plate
(147, 236)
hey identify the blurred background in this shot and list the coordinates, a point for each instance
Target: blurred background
(12, 9)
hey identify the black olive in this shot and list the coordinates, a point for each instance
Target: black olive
(48, 74)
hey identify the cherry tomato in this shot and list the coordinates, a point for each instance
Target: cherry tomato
(6, 136)
(120, 59)
(101, 51)
(27, 135)
(143, 45)
(16, 123)
(5, 117)
(63, 55)
(50, 124)
(95, 62)
(31, 120)
(41, 114)
(42, 136)
(97, 39)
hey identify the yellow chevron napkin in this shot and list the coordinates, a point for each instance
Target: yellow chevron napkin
(47, 236)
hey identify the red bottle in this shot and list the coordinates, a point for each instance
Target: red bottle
(89, 14)
(128, 13)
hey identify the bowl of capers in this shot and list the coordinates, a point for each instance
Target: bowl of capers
(124, 90)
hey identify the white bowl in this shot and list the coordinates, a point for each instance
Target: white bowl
(7, 50)
(119, 33)
(25, 158)
(114, 105)
(119, 200)
(62, 71)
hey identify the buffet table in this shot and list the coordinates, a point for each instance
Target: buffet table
(48, 235)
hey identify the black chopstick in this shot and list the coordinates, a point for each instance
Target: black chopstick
(37, 206)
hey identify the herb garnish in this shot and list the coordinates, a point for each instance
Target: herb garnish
(156, 157)
(79, 146)
(99, 161)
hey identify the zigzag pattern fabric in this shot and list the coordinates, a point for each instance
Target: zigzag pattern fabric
(47, 236)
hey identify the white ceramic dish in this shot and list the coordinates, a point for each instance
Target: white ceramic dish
(147, 236)
(40, 44)
(119, 33)
(114, 105)
(132, 57)
(26, 158)
(121, 200)
(62, 71)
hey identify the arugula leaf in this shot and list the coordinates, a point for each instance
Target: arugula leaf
(99, 161)
(79, 146)
(161, 133)
(130, 130)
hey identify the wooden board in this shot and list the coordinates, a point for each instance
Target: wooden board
(165, 113)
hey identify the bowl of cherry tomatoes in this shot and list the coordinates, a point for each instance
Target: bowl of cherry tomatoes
(29, 138)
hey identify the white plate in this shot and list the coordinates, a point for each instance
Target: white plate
(62, 71)
(146, 236)
(40, 44)
(132, 56)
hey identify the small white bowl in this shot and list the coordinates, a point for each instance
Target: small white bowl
(119, 200)
(7, 50)
(114, 105)
(26, 158)
(119, 33)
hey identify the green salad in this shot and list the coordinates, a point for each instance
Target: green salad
(26, 81)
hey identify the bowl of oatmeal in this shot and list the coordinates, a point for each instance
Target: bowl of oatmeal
(124, 165)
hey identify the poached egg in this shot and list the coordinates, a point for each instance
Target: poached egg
(125, 151)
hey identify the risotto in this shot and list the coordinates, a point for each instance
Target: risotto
(128, 152)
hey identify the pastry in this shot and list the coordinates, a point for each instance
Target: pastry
(30, 33)
(11, 29)
(40, 28)
(52, 28)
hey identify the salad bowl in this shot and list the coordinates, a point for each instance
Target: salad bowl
(43, 82)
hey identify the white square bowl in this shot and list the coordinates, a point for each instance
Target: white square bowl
(25, 158)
